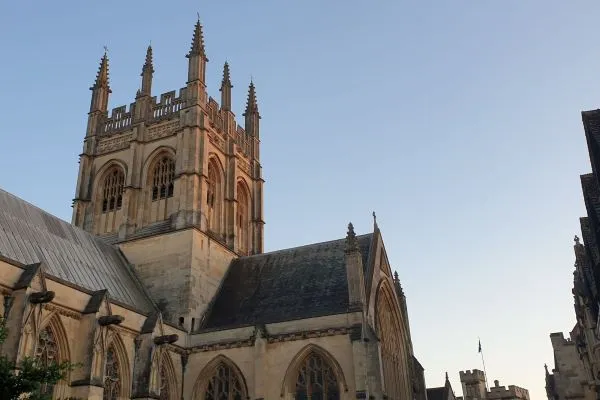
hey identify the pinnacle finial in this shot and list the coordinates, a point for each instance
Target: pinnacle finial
(226, 76)
(102, 75)
(375, 226)
(148, 64)
(396, 278)
(351, 242)
(447, 379)
(546, 368)
(576, 240)
(251, 104)
(198, 41)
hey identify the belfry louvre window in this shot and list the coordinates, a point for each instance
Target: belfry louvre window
(162, 180)
(224, 385)
(112, 191)
(316, 380)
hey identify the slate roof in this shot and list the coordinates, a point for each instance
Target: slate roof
(438, 393)
(301, 282)
(29, 235)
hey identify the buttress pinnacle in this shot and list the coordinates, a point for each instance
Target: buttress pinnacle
(102, 75)
(251, 104)
(351, 241)
(198, 42)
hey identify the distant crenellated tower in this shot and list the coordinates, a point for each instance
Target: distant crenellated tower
(172, 181)
(473, 384)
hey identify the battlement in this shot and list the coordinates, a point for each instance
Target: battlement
(513, 392)
(473, 376)
(121, 119)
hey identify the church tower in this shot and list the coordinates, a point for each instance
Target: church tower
(174, 181)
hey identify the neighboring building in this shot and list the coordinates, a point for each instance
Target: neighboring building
(586, 334)
(441, 393)
(568, 379)
(474, 388)
(160, 287)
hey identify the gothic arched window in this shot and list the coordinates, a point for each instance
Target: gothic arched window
(47, 354)
(214, 197)
(112, 376)
(162, 178)
(112, 190)
(224, 385)
(242, 220)
(316, 380)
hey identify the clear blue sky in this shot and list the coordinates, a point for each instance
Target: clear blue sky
(459, 123)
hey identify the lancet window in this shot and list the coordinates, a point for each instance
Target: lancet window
(112, 376)
(47, 354)
(163, 179)
(224, 385)
(214, 197)
(112, 190)
(316, 380)
(242, 218)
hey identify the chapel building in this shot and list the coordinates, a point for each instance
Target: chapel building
(159, 287)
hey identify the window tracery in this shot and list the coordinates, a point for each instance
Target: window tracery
(112, 376)
(316, 380)
(163, 178)
(112, 190)
(224, 385)
(47, 354)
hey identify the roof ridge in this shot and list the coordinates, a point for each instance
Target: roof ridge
(301, 247)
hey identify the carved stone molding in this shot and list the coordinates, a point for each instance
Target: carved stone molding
(119, 142)
(63, 311)
(223, 345)
(217, 140)
(161, 130)
(302, 335)
(244, 165)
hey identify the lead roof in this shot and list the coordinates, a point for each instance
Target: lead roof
(29, 235)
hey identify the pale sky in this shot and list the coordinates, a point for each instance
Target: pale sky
(458, 122)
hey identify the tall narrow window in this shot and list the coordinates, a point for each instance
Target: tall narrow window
(162, 179)
(214, 197)
(112, 190)
(224, 385)
(112, 376)
(47, 354)
(242, 219)
(316, 380)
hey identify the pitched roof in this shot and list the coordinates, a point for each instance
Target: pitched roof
(29, 235)
(301, 282)
(438, 393)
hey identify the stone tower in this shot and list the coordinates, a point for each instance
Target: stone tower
(174, 181)
(473, 384)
